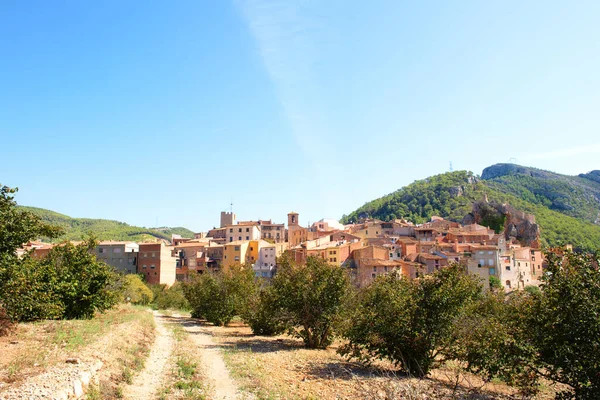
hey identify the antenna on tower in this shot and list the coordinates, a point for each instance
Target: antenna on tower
(231, 205)
(451, 169)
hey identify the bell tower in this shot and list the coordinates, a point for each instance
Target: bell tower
(292, 219)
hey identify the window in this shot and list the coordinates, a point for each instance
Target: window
(236, 258)
(120, 261)
(247, 229)
(247, 237)
(144, 266)
(492, 271)
(152, 266)
(100, 250)
(398, 255)
(239, 238)
(482, 262)
(240, 229)
(145, 254)
(374, 269)
(385, 268)
(391, 255)
(481, 252)
(116, 250)
(366, 232)
(251, 248)
(231, 230)
(236, 248)
(508, 267)
(490, 262)
(490, 252)
(373, 276)
(153, 254)
(508, 284)
(231, 239)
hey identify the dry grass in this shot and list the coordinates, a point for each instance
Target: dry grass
(185, 379)
(118, 337)
(281, 368)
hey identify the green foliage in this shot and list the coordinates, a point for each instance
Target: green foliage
(170, 298)
(68, 283)
(218, 297)
(19, 226)
(136, 291)
(495, 282)
(261, 314)
(491, 339)
(103, 229)
(309, 299)
(410, 322)
(565, 323)
(452, 194)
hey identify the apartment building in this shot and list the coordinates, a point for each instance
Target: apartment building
(243, 231)
(158, 263)
(121, 255)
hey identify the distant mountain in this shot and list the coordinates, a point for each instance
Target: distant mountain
(566, 207)
(104, 229)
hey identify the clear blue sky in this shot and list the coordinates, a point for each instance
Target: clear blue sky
(146, 110)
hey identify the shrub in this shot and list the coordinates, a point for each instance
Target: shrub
(69, 283)
(495, 283)
(171, 298)
(136, 291)
(261, 314)
(409, 322)
(565, 323)
(492, 340)
(208, 299)
(310, 298)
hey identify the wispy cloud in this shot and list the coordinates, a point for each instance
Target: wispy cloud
(287, 43)
(593, 148)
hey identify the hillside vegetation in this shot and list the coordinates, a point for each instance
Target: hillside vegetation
(103, 229)
(563, 208)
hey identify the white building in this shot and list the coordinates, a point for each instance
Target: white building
(242, 232)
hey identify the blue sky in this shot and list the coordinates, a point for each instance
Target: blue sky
(165, 111)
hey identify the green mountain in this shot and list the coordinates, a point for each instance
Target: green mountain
(566, 207)
(104, 229)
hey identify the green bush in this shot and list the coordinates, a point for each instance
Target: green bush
(495, 283)
(69, 283)
(136, 291)
(261, 314)
(171, 298)
(409, 322)
(309, 299)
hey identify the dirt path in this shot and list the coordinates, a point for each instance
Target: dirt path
(224, 388)
(147, 382)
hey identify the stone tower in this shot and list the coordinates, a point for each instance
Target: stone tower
(227, 218)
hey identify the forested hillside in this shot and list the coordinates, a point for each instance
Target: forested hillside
(104, 229)
(562, 218)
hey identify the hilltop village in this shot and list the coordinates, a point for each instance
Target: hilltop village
(368, 249)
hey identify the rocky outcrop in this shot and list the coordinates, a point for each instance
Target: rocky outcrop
(592, 176)
(497, 170)
(504, 218)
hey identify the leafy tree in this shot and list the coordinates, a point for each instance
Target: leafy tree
(491, 339)
(309, 299)
(17, 227)
(410, 322)
(83, 284)
(565, 323)
(170, 297)
(136, 291)
(220, 296)
(495, 282)
(262, 314)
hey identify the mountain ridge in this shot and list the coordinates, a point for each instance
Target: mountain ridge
(565, 207)
(103, 229)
